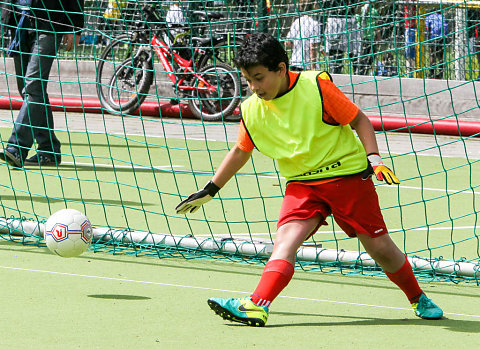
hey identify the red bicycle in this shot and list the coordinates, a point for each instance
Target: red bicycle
(196, 66)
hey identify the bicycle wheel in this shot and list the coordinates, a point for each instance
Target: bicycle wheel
(218, 104)
(130, 84)
(123, 79)
(223, 51)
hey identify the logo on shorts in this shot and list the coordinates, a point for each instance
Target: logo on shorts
(378, 231)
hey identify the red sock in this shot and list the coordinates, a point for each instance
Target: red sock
(405, 279)
(276, 276)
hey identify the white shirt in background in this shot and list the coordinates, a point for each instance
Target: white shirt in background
(304, 32)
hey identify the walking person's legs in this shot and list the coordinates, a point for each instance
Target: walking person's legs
(35, 119)
(20, 61)
(432, 61)
(440, 52)
(478, 62)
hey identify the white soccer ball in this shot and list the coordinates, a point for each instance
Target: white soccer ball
(68, 233)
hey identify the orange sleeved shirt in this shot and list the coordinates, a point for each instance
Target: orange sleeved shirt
(337, 108)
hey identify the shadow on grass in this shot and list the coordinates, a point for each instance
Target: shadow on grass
(466, 326)
(229, 268)
(100, 167)
(113, 144)
(45, 200)
(126, 297)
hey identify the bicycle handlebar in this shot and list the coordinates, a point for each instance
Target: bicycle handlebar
(152, 13)
(153, 19)
(207, 15)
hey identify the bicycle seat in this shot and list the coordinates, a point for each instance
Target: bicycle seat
(202, 41)
(207, 15)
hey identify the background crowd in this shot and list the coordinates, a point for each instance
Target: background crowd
(367, 37)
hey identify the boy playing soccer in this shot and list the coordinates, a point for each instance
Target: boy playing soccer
(304, 122)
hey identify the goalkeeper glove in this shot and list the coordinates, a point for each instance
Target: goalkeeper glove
(194, 201)
(377, 167)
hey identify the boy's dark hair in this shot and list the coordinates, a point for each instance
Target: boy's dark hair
(261, 49)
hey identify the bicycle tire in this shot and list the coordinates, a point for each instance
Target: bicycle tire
(223, 51)
(222, 103)
(118, 54)
(112, 53)
(127, 95)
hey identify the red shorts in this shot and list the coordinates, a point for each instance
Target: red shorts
(352, 201)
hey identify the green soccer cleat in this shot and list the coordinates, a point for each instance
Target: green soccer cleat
(240, 310)
(426, 309)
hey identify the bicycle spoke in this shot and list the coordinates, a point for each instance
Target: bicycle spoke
(213, 105)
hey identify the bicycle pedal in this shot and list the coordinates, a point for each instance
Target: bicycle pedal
(174, 101)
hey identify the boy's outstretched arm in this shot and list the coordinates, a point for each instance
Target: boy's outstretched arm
(366, 133)
(230, 165)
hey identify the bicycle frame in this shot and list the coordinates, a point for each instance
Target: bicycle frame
(164, 52)
(201, 77)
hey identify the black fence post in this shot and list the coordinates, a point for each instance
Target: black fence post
(261, 15)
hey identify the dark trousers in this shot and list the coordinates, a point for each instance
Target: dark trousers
(35, 119)
(336, 61)
(364, 63)
(437, 50)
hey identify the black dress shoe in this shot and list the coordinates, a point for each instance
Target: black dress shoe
(43, 160)
(11, 156)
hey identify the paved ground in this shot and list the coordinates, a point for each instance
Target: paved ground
(376, 95)
(194, 129)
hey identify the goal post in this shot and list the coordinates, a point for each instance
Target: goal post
(128, 171)
(249, 248)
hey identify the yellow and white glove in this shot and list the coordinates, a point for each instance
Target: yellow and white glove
(377, 167)
(194, 201)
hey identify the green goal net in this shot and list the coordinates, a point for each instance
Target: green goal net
(412, 66)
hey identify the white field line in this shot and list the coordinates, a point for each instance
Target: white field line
(90, 164)
(215, 289)
(160, 136)
(167, 167)
(423, 152)
(443, 190)
(452, 191)
(203, 139)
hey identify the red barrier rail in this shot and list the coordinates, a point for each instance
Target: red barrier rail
(427, 126)
(92, 105)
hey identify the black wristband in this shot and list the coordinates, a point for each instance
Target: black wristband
(211, 188)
